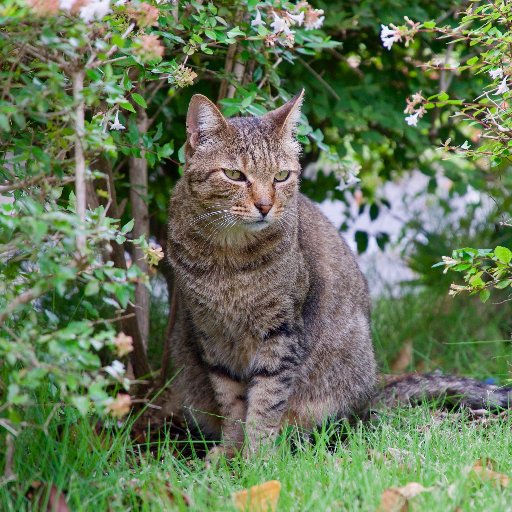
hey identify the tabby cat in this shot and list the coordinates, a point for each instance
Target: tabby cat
(273, 318)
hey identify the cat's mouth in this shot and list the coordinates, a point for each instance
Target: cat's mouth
(257, 225)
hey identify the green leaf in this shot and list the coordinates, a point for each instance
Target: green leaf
(472, 61)
(128, 227)
(484, 295)
(503, 254)
(81, 403)
(139, 100)
(92, 288)
(503, 284)
(361, 241)
(127, 106)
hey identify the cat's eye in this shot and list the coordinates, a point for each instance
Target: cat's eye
(234, 175)
(282, 175)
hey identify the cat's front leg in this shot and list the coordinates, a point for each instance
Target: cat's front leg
(230, 394)
(273, 375)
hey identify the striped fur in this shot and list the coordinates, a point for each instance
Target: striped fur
(273, 317)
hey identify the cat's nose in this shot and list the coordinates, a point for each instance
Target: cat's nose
(263, 208)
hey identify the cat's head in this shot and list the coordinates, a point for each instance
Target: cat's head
(245, 168)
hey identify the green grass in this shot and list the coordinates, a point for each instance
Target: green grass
(344, 468)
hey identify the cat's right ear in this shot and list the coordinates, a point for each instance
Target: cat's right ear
(203, 117)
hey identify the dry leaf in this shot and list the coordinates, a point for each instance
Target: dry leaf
(259, 498)
(484, 468)
(396, 499)
(39, 494)
(403, 358)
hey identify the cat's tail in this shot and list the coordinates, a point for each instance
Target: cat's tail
(450, 389)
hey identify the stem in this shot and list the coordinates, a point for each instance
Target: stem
(80, 186)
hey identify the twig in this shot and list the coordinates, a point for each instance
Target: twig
(9, 458)
(320, 79)
(24, 298)
(34, 181)
(265, 78)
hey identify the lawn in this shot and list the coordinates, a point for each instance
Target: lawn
(342, 468)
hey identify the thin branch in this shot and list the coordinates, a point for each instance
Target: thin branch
(9, 458)
(24, 298)
(34, 181)
(80, 185)
(320, 79)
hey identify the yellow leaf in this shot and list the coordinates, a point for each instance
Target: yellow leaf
(484, 470)
(259, 498)
(396, 499)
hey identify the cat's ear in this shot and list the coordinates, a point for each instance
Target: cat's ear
(202, 117)
(286, 117)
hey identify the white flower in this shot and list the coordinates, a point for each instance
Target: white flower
(95, 10)
(280, 25)
(466, 145)
(313, 18)
(119, 3)
(297, 18)
(66, 5)
(503, 88)
(389, 36)
(354, 61)
(412, 120)
(116, 369)
(257, 21)
(116, 125)
(496, 73)
(316, 24)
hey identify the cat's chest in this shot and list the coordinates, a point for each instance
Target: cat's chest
(241, 301)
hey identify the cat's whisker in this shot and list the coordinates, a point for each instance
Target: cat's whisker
(197, 220)
(222, 222)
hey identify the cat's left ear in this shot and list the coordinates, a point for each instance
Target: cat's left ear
(203, 117)
(287, 117)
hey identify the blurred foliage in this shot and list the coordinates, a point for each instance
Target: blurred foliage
(132, 67)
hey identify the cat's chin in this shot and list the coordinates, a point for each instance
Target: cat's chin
(257, 226)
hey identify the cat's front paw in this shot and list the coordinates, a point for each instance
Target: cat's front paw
(219, 451)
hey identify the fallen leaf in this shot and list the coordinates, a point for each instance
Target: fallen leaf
(40, 495)
(392, 501)
(411, 489)
(484, 468)
(403, 359)
(259, 498)
(396, 499)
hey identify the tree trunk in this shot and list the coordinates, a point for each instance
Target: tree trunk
(139, 203)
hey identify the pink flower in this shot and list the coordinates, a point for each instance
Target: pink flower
(120, 407)
(150, 48)
(314, 18)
